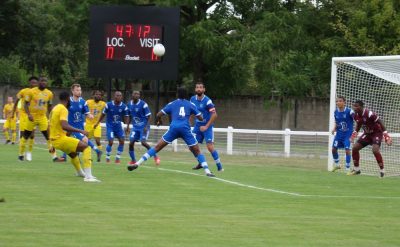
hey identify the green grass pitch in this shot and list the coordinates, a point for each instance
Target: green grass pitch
(257, 201)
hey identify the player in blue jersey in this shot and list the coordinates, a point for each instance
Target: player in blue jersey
(139, 113)
(204, 129)
(77, 111)
(117, 114)
(344, 118)
(180, 111)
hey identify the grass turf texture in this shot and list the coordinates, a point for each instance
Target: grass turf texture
(46, 205)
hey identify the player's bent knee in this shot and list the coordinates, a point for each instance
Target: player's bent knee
(81, 146)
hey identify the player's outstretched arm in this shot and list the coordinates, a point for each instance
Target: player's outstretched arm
(386, 135)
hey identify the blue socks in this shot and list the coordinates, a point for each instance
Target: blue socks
(215, 156)
(108, 150)
(348, 160)
(120, 149)
(132, 154)
(335, 157)
(202, 160)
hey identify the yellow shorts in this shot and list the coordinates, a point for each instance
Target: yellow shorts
(10, 124)
(66, 144)
(23, 119)
(40, 121)
(93, 132)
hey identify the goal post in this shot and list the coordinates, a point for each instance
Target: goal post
(376, 81)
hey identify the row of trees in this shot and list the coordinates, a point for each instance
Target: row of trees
(272, 48)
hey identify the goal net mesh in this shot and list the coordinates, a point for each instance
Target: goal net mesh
(377, 84)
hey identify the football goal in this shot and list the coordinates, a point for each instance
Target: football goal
(375, 81)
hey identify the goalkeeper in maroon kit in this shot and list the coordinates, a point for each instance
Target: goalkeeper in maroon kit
(374, 131)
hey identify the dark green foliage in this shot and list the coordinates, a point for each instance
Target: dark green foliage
(265, 47)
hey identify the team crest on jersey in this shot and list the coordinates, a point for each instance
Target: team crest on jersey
(201, 105)
(120, 110)
(80, 106)
(136, 109)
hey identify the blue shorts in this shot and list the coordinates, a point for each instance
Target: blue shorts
(139, 135)
(342, 142)
(116, 131)
(78, 135)
(184, 133)
(208, 135)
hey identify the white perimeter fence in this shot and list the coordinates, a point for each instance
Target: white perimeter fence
(231, 141)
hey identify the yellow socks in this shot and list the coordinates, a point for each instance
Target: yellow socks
(7, 135)
(77, 164)
(51, 149)
(31, 141)
(87, 157)
(22, 143)
(14, 137)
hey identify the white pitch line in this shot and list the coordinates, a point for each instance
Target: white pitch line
(230, 182)
(274, 190)
(266, 189)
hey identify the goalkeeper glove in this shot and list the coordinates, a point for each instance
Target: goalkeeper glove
(354, 135)
(388, 139)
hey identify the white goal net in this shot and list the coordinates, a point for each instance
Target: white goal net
(375, 81)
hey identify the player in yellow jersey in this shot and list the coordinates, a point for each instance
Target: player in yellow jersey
(38, 101)
(71, 146)
(11, 121)
(23, 118)
(96, 106)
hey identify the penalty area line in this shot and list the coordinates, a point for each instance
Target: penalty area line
(261, 188)
(272, 190)
(229, 182)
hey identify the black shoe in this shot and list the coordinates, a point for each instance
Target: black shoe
(381, 174)
(210, 175)
(12, 143)
(8, 141)
(198, 167)
(21, 158)
(132, 167)
(354, 172)
(99, 153)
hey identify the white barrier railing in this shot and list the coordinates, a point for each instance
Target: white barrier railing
(279, 143)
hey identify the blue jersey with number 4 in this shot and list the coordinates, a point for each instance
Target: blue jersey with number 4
(344, 122)
(76, 112)
(180, 111)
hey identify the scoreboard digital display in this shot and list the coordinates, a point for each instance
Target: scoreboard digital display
(131, 42)
(122, 38)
